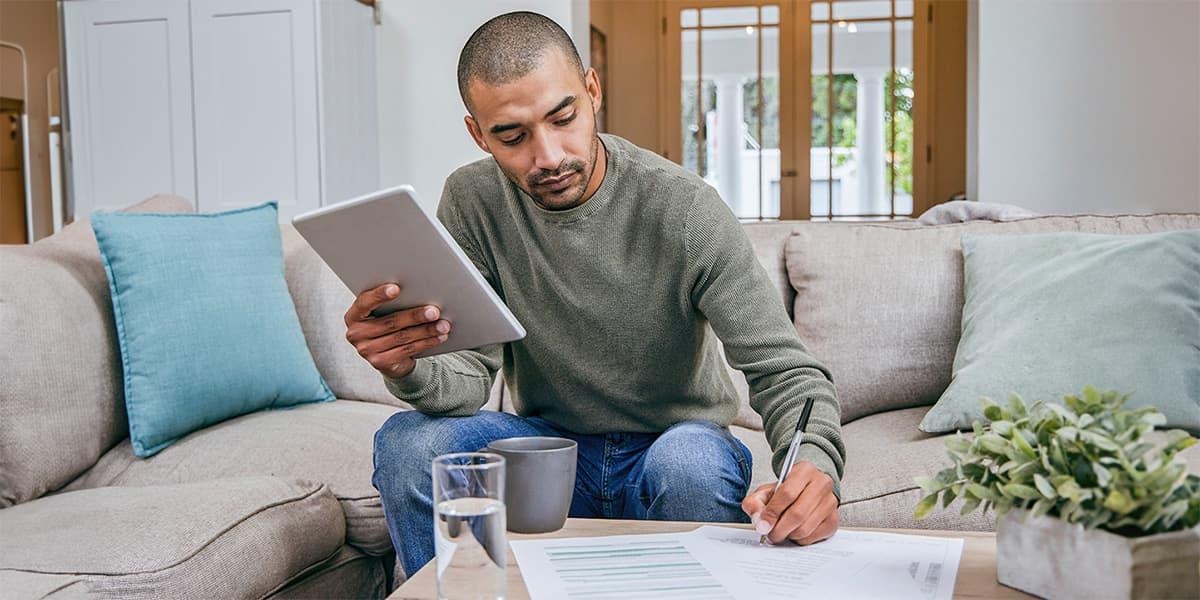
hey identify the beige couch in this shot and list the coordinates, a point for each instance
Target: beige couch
(280, 504)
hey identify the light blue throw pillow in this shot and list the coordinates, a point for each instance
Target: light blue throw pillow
(1045, 315)
(206, 325)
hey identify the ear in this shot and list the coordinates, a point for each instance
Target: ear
(591, 81)
(476, 133)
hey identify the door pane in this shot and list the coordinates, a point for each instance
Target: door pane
(734, 15)
(901, 151)
(862, 113)
(730, 108)
(870, 9)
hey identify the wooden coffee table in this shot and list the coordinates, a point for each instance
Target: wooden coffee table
(976, 571)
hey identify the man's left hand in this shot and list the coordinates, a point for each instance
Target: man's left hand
(803, 510)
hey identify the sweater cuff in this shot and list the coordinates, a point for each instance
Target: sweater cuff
(414, 385)
(820, 460)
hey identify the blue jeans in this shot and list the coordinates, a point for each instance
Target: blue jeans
(693, 471)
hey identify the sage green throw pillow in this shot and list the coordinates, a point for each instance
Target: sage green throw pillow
(1045, 315)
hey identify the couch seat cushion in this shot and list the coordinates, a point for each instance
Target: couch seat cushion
(239, 537)
(332, 443)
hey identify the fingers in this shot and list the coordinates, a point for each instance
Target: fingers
(791, 488)
(369, 301)
(827, 526)
(392, 338)
(398, 361)
(755, 501)
(808, 510)
(358, 331)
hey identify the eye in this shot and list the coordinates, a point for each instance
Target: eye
(566, 121)
(513, 141)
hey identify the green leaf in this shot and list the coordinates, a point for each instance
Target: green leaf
(1016, 406)
(1023, 445)
(1043, 486)
(1069, 490)
(1021, 491)
(981, 492)
(948, 496)
(969, 505)
(925, 506)
(993, 413)
(993, 443)
(1119, 502)
(958, 444)
(925, 483)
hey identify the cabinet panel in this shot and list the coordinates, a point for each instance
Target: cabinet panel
(255, 77)
(130, 101)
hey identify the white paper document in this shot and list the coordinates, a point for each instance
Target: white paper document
(615, 567)
(724, 562)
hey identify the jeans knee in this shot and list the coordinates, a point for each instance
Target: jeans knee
(697, 456)
(409, 440)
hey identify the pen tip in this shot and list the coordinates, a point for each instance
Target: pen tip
(762, 540)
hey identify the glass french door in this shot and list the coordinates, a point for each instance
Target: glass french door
(734, 122)
(793, 109)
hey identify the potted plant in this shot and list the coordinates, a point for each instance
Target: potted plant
(1087, 506)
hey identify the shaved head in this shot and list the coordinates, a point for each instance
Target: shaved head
(510, 47)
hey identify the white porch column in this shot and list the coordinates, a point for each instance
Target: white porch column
(870, 143)
(730, 141)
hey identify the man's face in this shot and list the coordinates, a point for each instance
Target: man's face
(541, 129)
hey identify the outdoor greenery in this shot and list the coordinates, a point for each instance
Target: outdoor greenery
(1086, 462)
(845, 108)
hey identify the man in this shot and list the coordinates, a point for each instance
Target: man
(621, 266)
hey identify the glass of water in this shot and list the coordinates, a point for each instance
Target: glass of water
(468, 514)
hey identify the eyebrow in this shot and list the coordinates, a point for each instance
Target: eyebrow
(569, 100)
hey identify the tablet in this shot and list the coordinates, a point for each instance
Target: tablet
(387, 237)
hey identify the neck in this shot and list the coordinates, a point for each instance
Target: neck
(598, 171)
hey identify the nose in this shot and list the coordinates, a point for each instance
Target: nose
(548, 153)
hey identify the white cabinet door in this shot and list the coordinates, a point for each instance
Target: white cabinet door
(129, 101)
(255, 77)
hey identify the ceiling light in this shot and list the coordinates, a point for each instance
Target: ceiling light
(853, 28)
(749, 30)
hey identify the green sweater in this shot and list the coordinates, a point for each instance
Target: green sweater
(621, 297)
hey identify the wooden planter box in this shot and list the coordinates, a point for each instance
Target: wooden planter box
(1055, 559)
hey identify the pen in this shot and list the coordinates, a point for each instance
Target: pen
(797, 439)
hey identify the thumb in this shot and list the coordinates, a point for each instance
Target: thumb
(756, 501)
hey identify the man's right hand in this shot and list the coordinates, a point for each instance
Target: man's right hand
(390, 342)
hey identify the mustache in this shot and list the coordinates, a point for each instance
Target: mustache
(564, 169)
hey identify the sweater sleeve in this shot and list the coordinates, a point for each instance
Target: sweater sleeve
(455, 384)
(733, 292)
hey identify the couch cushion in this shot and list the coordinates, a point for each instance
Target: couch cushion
(60, 402)
(1048, 314)
(227, 538)
(347, 574)
(19, 584)
(332, 443)
(881, 304)
(770, 244)
(885, 452)
(321, 301)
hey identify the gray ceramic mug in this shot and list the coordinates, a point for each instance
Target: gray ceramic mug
(540, 481)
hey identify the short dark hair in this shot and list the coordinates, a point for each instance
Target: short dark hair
(509, 47)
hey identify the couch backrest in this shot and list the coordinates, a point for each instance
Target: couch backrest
(61, 404)
(881, 304)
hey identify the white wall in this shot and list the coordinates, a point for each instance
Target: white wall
(421, 134)
(1089, 106)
